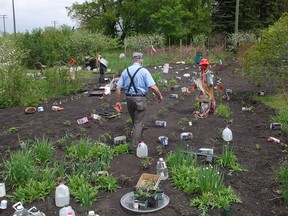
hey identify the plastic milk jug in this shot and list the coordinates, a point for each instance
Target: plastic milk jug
(20, 210)
(142, 150)
(62, 195)
(162, 169)
(65, 211)
(227, 134)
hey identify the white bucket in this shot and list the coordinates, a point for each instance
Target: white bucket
(2, 190)
(165, 68)
(62, 195)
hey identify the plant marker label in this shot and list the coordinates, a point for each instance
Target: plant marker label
(82, 120)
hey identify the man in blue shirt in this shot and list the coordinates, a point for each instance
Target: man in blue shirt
(136, 81)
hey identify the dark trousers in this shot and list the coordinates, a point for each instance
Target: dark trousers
(137, 109)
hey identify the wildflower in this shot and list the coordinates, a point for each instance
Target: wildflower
(221, 87)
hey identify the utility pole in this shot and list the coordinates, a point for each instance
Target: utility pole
(4, 17)
(236, 16)
(54, 23)
(14, 20)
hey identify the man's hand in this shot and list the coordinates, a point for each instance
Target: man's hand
(118, 107)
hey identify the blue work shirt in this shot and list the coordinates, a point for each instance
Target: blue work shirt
(142, 80)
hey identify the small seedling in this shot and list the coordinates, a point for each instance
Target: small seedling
(67, 123)
(160, 149)
(146, 162)
(13, 129)
(258, 147)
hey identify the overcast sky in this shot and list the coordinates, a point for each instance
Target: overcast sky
(30, 14)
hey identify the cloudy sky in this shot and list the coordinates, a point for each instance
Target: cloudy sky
(30, 14)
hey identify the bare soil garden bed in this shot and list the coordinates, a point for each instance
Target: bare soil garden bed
(256, 187)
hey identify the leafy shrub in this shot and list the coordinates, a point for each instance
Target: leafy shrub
(143, 42)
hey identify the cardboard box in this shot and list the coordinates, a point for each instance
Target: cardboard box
(147, 178)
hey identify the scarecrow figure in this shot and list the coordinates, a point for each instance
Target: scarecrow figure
(206, 95)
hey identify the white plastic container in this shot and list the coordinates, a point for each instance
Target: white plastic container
(142, 150)
(65, 211)
(62, 195)
(205, 151)
(119, 140)
(92, 213)
(227, 134)
(162, 169)
(2, 190)
(186, 136)
(166, 68)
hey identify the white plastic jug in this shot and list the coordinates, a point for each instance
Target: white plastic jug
(65, 211)
(62, 195)
(142, 150)
(227, 134)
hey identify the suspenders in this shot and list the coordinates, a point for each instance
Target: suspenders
(132, 80)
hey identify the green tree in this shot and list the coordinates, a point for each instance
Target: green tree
(268, 57)
(173, 18)
(253, 15)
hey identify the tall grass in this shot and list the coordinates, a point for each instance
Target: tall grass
(20, 168)
(43, 150)
(282, 177)
(228, 159)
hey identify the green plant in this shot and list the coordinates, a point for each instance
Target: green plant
(160, 149)
(80, 187)
(258, 147)
(172, 82)
(80, 149)
(42, 150)
(19, 168)
(67, 123)
(215, 199)
(60, 167)
(120, 149)
(146, 162)
(13, 129)
(209, 179)
(104, 138)
(228, 159)
(36, 188)
(223, 111)
(196, 105)
(282, 117)
(106, 183)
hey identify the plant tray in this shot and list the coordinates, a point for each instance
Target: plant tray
(145, 178)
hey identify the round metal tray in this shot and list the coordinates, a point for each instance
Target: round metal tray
(127, 202)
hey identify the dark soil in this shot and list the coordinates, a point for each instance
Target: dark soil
(257, 187)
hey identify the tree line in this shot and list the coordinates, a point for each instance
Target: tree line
(175, 18)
